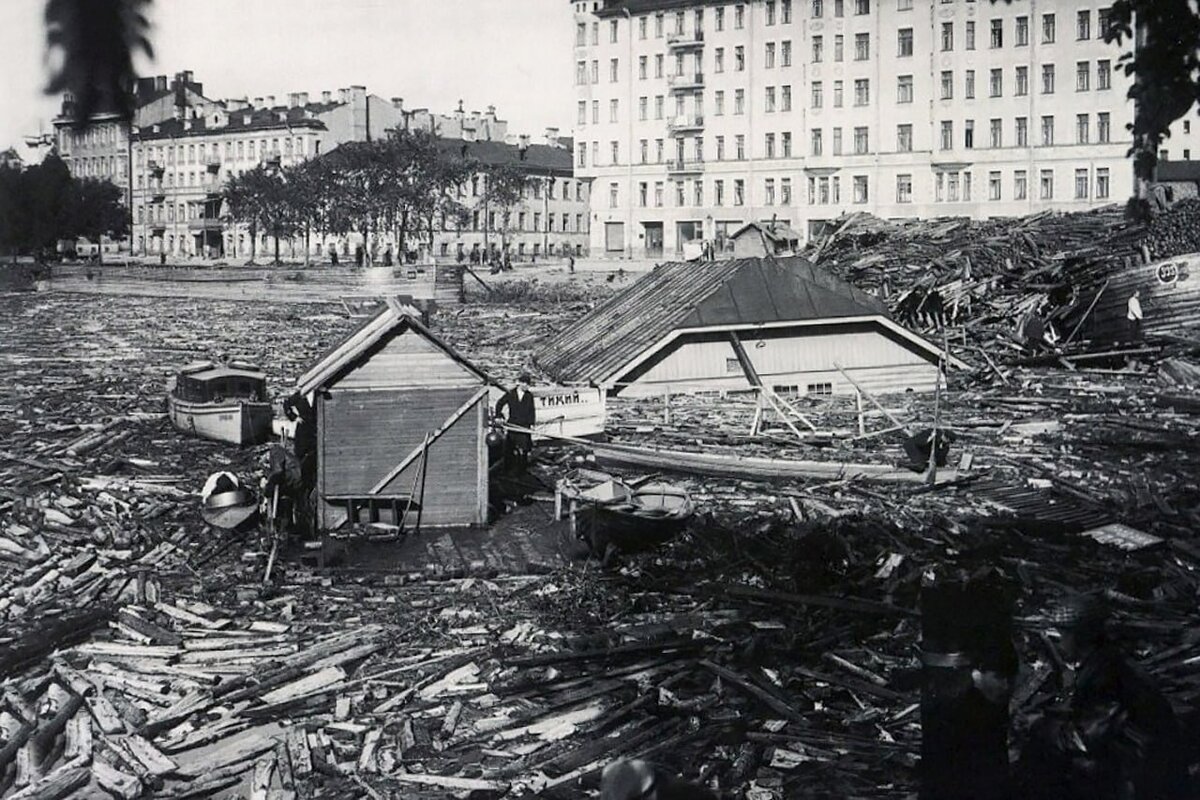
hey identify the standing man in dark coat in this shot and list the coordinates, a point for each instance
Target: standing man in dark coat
(517, 408)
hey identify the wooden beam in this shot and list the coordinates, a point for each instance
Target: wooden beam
(415, 454)
(872, 399)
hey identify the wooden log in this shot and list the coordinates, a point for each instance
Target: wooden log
(452, 783)
(60, 783)
(771, 701)
(114, 781)
(297, 747)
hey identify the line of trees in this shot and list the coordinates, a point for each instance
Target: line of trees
(406, 185)
(43, 205)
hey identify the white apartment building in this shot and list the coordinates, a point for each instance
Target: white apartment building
(696, 116)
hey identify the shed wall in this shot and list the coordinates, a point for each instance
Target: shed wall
(408, 360)
(365, 434)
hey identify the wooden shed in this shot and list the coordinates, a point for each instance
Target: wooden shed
(393, 401)
(729, 325)
(758, 239)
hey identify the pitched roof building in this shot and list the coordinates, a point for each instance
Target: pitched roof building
(686, 327)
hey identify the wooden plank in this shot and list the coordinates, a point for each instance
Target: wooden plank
(433, 436)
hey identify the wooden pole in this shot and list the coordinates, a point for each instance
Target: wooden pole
(872, 399)
(862, 423)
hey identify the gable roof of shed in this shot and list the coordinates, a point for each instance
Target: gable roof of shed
(745, 291)
(776, 231)
(393, 319)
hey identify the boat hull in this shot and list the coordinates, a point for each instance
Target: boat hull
(241, 422)
(635, 525)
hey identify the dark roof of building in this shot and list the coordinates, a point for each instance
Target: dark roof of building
(540, 158)
(745, 291)
(260, 119)
(1177, 171)
(612, 8)
(774, 230)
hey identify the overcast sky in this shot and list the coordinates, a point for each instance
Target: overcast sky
(514, 54)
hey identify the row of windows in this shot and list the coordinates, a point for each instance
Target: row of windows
(773, 12)
(242, 150)
(100, 166)
(520, 222)
(95, 136)
(477, 187)
(1083, 132)
(1083, 31)
(950, 186)
(1083, 81)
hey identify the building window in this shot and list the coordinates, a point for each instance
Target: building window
(818, 49)
(1102, 183)
(817, 140)
(739, 58)
(1046, 182)
(970, 35)
(904, 89)
(862, 46)
(616, 152)
(770, 100)
(770, 12)
(862, 7)
(993, 186)
(904, 188)
(612, 110)
(1047, 29)
(785, 53)
(969, 88)
(582, 112)
(785, 191)
(785, 100)
(818, 96)
(904, 138)
(947, 85)
(997, 39)
(739, 144)
(1081, 129)
(769, 191)
(837, 141)
(1022, 132)
(719, 21)
(643, 67)
(862, 91)
(739, 101)
(1083, 25)
(1104, 74)
(786, 144)
(643, 108)
(769, 144)
(837, 94)
(995, 139)
(1047, 79)
(739, 192)
(860, 188)
(904, 42)
(719, 103)
(719, 192)
(595, 71)
(1022, 31)
(658, 106)
(769, 56)
(839, 48)
(1102, 127)
(1048, 131)
(861, 141)
(1022, 81)
(1020, 185)
(785, 11)
(643, 26)
(996, 83)
(658, 194)
(1083, 76)
(1081, 184)
(969, 134)
(680, 202)
(719, 60)
(739, 17)
(947, 36)
(644, 150)
(818, 9)
(947, 134)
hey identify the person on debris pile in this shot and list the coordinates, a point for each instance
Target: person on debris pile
(1134, 316)
(304, 447)
(1115, 737)
(517, 408)
(627, 779)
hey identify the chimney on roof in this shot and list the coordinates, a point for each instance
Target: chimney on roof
(326, 97)
(458, 112)
(358, 93)
(398, 103)
(187, 76)
(293, 99)
(187, 124)
(258, 101)
(523, 146)
(155, 128)
(491, 113)
(270, 101)
(246, 118)
(160, 82)
(343, 95)
(552, 136)
(302, 98)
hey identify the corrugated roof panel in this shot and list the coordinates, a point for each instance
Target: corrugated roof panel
(697, 294)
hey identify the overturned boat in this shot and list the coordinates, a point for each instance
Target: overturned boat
(225, 402)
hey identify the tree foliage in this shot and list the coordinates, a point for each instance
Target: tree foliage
(503, 190)
(265, 199)
(93, 43)
(43, 205)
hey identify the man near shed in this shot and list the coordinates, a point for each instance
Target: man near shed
(517, 408)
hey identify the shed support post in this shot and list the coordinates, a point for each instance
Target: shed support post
(858, 402)
(667, 405)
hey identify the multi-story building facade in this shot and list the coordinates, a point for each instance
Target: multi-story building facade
(551, 219)
(696, 116)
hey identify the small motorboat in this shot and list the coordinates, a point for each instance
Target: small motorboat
(226, 402)
(631, 518)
